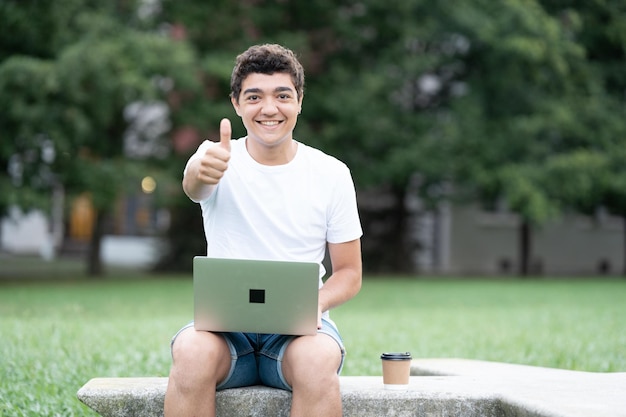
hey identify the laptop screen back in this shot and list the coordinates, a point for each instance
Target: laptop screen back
(234, 295)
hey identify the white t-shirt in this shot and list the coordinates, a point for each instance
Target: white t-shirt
(283, 212)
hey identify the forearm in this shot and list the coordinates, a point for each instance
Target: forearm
(345, 281)
(340, 287)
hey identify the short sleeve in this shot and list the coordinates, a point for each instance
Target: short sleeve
(344, 224)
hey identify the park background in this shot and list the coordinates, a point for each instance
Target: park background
(487, 141)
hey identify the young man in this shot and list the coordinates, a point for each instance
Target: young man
(267, 196)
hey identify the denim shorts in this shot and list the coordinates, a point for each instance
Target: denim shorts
(257, 358)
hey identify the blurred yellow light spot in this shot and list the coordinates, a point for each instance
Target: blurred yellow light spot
(148, 185)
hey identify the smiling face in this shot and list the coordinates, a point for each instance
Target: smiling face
(269, 106)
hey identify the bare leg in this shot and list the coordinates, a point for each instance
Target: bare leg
(200, 361)
(310, 367)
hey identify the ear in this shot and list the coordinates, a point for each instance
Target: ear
(235, 104)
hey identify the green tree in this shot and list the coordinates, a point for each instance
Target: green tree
(498, 98)
(476, 93)
(523, 69)
(74, 96)
(456, 93)
(592, 172)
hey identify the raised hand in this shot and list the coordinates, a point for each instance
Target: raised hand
(215, 161)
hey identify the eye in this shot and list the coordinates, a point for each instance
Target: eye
(284, 96)
(252, 97)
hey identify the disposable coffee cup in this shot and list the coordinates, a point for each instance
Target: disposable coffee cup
(396, 370)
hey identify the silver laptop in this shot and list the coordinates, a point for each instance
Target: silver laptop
(234, 295)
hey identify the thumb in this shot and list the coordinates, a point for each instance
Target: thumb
(225, 134)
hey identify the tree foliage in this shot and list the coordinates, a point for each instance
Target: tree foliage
(68, 98)
(515, 101)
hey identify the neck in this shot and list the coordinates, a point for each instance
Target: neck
(280, 154)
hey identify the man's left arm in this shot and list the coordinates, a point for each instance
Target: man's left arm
(345, 280)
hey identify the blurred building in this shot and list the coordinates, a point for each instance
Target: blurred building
(467, 240)
(132, 237)
(455, 240)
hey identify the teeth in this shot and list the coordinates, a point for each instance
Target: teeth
(269, 123)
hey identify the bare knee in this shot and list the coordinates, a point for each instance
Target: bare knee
(310, 366)
(200, 359)
(312, 362)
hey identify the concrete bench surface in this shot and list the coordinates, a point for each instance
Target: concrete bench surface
(438, 387)
(536, 391)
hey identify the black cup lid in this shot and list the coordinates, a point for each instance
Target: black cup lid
(396, 356)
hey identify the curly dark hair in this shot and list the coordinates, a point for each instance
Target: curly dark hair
(266, 59)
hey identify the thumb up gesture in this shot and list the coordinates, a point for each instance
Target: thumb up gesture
(215, 161)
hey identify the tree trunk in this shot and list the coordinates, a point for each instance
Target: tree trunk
(94, 260)
(400, 247)
(524, 248)
(387, 243)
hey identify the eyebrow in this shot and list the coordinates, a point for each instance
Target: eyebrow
(276, 90)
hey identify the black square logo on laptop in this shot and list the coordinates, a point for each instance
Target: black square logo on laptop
(257, 296)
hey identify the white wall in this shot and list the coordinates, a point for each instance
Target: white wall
(26, 233)
(132, 251)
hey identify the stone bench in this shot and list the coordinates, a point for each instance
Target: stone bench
(438, 387)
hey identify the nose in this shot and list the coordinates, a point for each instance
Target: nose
(269, 107)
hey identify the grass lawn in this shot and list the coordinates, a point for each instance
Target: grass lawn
(57, 335)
